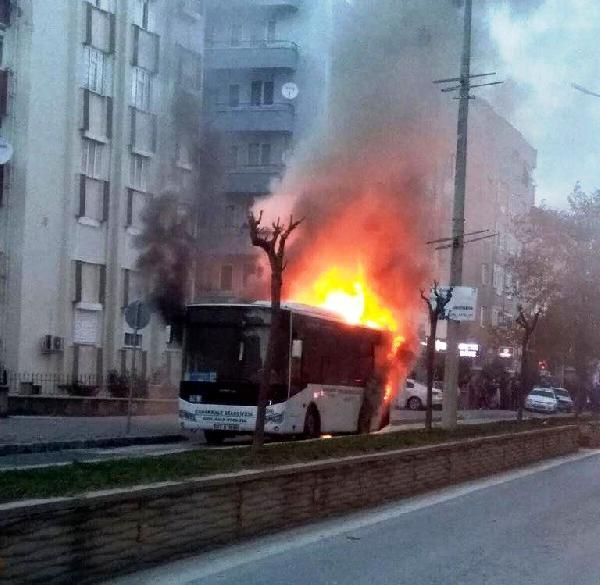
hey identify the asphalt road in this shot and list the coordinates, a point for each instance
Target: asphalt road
(538, 526)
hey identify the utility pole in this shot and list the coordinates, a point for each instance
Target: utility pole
(450, 396)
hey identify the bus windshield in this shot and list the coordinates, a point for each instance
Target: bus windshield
(231, 347)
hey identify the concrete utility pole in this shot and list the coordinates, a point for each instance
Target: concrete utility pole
(450, 396)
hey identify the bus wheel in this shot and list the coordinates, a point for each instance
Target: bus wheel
(214, 437)
(312, 423)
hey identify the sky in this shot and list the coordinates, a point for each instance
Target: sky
(541, 47)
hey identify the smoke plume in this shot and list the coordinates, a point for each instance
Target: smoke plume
(365, 184)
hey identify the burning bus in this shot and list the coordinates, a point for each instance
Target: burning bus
(328, 376)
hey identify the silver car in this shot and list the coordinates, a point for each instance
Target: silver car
(542, 400)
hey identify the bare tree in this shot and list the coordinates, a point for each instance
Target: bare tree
(272, 241)
(528, 323)
(436, 308)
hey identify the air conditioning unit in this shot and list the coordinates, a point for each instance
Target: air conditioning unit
(47, 344)
(58, 343)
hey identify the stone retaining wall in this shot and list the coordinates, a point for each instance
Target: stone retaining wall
(86, 539)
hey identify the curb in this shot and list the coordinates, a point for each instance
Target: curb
(109, 442)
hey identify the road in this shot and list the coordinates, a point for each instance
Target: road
(537, 526)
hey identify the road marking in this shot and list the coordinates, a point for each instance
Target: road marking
(187, 572)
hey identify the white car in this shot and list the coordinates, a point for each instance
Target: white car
(414, 396)
(542, 400)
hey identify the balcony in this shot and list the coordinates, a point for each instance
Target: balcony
(281, 5)
(255, 180)
(248, 118)
(252, 55)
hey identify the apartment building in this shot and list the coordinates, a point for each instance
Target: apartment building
(500, 190)
(89, 87)
(266, 86)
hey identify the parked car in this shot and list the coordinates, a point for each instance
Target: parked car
(565, 402)
(542, 400)
(414, 396)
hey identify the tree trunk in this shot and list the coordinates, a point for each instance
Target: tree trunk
(264, 391)
(523, 377)
(430, 371)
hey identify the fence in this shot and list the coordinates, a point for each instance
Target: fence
(112, 385)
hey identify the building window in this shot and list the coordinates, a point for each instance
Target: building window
(142, 15)
(226, 283)
(5, 12)
(262, 93)
(495, 316)
(236, 34)
(229, 219)
(485, 274)
(234, 156)
(259, 155)
(93, 199)
(271, 30)
(482, 316)
(133, 340)
(141, 88)
(138, 171)
(498, 279)
(234, 96)
(90, 283)
(190, 69)
(97, 71)
(93, 163)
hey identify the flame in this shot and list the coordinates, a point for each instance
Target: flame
(348, 294)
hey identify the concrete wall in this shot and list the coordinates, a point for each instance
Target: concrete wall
(96, 536)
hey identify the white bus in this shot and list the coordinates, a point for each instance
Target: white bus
(324, 376)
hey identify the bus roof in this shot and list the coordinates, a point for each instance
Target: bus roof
(297, 308)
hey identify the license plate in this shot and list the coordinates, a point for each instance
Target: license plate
(225, 427)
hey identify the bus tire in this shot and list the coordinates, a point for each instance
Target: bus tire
(312, 423)
(214, 437)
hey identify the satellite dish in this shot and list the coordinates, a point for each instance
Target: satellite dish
(290, 90)
(137, 314)
(6, 151)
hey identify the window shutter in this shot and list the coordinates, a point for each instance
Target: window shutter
(156, 53)
(102, 285)
(123, 357)
(75, 370)
(144, 358)
(86, 109)
(78, 283)
(136, 46)
(105, 200)
(99, 366)
(109, 117)
(2, 184)
(125, 287)
(113, 31)
(88, 24)
(154, 133)
(132, 110)
(3, 92)
(129, 207)
(81, 212)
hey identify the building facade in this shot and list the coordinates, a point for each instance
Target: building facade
(89, 111)
(266, 86)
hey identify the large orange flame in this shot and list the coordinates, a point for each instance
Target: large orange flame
(349, 294)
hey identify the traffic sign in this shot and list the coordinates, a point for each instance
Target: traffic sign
(137, 314)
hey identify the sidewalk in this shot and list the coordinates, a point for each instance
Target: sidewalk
(37, 429)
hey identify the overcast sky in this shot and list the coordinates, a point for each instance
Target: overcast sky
(540, 52)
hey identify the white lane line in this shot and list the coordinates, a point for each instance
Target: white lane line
(186, 572)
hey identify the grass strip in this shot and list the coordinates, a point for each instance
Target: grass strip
(78, 478)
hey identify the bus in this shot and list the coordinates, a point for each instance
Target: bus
(324, 376)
